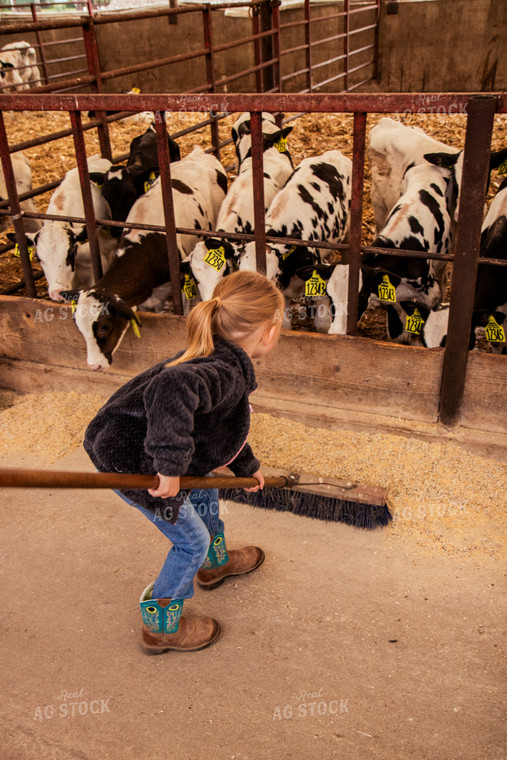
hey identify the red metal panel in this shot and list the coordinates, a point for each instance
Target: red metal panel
(258, 190)
(356, 209)
(79, 145)
(164, 163)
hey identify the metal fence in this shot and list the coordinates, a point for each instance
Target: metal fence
(480, 110)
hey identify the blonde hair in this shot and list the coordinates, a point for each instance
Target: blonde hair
(242, 302)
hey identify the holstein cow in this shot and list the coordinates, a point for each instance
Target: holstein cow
(422, 220)
(62, 247)
(328, 286)
(314, 204)
(237, 213)
(242, 133)
(393, 148)
(18, 67)
(123, 185)
(490, 302)
(104, 312)
(23, 177)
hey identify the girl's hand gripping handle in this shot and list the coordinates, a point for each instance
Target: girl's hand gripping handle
(260, 478)
(167, 486)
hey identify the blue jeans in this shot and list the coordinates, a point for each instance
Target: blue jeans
(190, 535)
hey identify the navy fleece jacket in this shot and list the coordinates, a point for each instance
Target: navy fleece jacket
(186, 419)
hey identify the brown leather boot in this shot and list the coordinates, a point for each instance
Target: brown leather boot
(240, 562)
(164, 627)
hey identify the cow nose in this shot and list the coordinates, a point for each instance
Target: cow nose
(55, 295)
(96, 367)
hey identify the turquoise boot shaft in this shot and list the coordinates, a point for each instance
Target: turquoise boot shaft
(160, 615)
(217, 553)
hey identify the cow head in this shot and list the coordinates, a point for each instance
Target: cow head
(56, 247)
(248, 261)
(119, 190)
(210, 261)
(102, 319)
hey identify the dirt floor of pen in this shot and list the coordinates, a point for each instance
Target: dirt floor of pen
(343, 644)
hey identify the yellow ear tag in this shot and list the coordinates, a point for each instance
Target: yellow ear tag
(315, 286)
(135, 328)
(149, 182)
(73, 306)
(31, 251)
(135, 90)
(414, 323)
(281, 145)
(494, 332)
(189, 288)
(387, 291)
(216, 258)
(502, 169)
(291, 250)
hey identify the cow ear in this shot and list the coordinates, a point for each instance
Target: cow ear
(122, 308)
(410, 306)
(323, 270)
(497, 158)
(30, 237)
(81, 236)
(286, 131)
(445, 160)
(212, 243)
(229, 251)
(98, 177)
(244, 128)
(304, 273)
(185, 267)
(7, 65)
(174, 149)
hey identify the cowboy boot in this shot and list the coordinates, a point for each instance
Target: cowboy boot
(164, 627)
(220, 563)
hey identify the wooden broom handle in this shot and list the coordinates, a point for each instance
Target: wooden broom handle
(21, 478)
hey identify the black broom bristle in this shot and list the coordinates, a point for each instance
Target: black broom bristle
(368, 516)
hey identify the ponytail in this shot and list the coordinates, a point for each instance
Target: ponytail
(242, 302)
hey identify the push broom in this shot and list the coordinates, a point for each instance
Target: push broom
(363, 506)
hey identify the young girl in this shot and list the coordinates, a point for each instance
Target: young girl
(191, 415)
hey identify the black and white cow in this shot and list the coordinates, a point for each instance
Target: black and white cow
(23, 178)
(242, 133)
(237, 214)
(18, 67)
(62, 247)
(422, 220)
(490, 304)
(123, 185)
(392, 149)
(103, 313)
(328, 286)
(314, 204)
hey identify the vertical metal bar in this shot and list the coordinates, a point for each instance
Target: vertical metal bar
(308, 42)
(84, 178)
(173, 255)
(173, 18)
(481, 112)
(277, 66)
(356, 210)
(38, 36)
(266, 45)
(17, 220)
(258, 191)
(93, 61)
(210, 73)
(257, 48)
(346, 42)
(376, 42)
